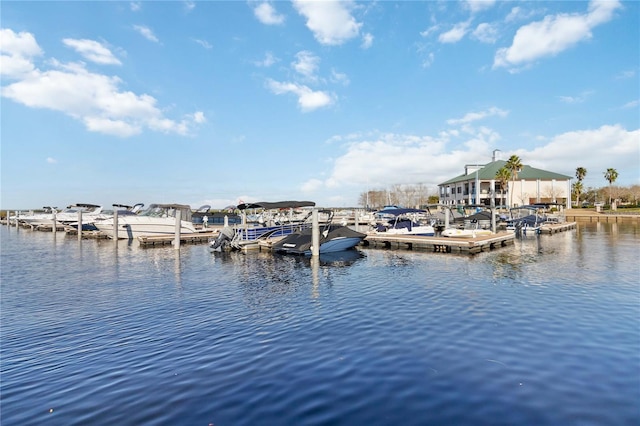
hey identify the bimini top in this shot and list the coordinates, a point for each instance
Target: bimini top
(398, 212)
(276, 205)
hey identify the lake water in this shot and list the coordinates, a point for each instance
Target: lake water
(542, 332)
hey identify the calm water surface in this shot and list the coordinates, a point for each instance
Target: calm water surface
(543, 332)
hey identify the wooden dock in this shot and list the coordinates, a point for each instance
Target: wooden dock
(161, 240)
(441, 244)
(552, 228)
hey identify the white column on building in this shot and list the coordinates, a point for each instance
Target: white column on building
(537, 190)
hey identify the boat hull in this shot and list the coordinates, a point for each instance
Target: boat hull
(134, 227)
(465, 233)
(335, 239)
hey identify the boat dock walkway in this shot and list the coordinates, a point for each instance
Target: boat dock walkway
(441, 244)
(552, 228)
(161, 240)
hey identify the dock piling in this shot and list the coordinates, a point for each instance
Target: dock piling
(176, 240)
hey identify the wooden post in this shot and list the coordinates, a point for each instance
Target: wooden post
(176, 240)
(17, 221)
(115, 224)
(356, 218)
(315, 233)
(446, 217)
(55, 223)
(79, 225)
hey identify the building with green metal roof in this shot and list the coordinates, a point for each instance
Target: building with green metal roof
(531, 186)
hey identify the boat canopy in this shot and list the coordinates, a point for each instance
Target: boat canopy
(93, 206)
(276, 205)
(398, 212)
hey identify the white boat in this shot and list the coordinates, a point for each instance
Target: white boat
(465, 233)
(37, 219)
(158, 219)
(402, 221)
(106, 224)
(66, 217)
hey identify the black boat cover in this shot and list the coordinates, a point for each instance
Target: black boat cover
(276, 205)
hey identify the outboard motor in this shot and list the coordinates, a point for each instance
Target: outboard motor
(223, 240)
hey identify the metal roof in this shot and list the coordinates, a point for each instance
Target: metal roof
(488, 172)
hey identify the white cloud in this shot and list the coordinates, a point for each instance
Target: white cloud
(552, 35)
(608, 146)
(17, 53)
(189, 5)
(267, 14)
(479, 5)
(94, 99)
(631, 104)
(475, 116)
(455, 34)
(367, 40)
(308, 100)
(268, 60)
(92, 51)
(135, 6)
(338, 77)
(626, 74)
(330, 21)
(203, 43)
(306, 64)
(146, 33)
(486, 33)
(576, 99)
(412, 159)
(51, 160)
(428, 61)
(312, 185)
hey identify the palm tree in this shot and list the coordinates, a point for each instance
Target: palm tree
(514, 166)
(577, 189)
(581, 172)
(610, 175)
(502, 176)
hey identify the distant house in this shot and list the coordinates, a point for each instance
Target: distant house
(532, 186)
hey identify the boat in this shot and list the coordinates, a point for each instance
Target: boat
(525, 220)
(332, 238)
(465, 233)
(157, 220)
(106, 225)
(402, 221)
(274, 220)
(44, 218)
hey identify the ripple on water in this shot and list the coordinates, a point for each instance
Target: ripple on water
(544, 332)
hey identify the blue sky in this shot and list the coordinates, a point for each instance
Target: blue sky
(218, 102)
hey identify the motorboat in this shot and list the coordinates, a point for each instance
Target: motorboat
(402, 221)
(332, 238)
(46, 217)
(525, 220)
(158, 219)
(465, 233)
(274, 220)
(66, 217)
(106, 225)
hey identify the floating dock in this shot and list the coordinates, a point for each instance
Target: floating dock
(441, 244)
(161, 240)
(552, 228)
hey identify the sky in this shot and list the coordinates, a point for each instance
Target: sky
(222, 102)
